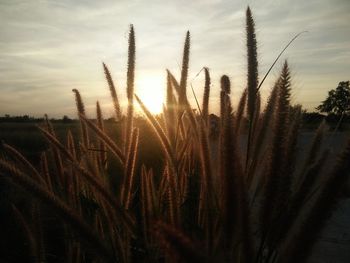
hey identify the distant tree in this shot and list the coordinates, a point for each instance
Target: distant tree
(66, 119)
(338, 100)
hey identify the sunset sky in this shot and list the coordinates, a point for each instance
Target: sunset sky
(49, 47)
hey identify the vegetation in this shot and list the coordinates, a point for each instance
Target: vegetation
(338, 100)
(28, 119)
(214, 195)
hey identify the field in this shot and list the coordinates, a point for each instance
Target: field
(332, 244)
(27, 138)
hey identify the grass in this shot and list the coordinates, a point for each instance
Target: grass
(203, 197)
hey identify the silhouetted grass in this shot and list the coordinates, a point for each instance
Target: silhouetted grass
(168, 188)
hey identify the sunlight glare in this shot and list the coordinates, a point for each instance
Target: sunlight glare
(150, 90)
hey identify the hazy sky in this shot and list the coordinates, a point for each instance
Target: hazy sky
(49, 47)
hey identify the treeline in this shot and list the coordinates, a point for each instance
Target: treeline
(315, 117)
(308, 118)
(31, 119)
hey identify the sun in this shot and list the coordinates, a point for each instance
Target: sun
(150, 89)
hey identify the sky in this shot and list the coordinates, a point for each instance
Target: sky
(48, 48)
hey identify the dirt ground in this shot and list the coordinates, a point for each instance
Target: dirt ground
(333, 245)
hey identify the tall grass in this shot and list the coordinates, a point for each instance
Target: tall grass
(206, 205)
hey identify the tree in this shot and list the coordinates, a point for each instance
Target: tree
(66, 119)
(338, 100)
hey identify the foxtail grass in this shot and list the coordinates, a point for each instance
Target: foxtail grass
(205, 107)
(208, 199)
(130, 87)
(113, 92)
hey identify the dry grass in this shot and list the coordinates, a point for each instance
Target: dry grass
(248, 206)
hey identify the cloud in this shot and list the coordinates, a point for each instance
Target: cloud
(49, 47)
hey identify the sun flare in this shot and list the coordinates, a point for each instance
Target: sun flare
(150, 89)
